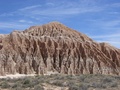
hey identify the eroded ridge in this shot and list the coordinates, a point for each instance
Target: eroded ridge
(54, 47)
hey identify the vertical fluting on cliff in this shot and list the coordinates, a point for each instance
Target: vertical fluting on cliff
(55, 48)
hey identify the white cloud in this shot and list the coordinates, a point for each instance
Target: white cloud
(111, 23)
(13, 25)
(25, 21)
(113, 39)
(58, 9)
(6, 14)
(115, 5)
(106, 24)
(106, 36)
(22, 21)
(63, 11)
(30, 7)
(50, 4)
(61, 8)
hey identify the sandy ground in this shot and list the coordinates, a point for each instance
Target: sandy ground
(53, 87)
(16, 76)
(25, 75)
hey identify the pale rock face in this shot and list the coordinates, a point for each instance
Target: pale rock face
(56, 48)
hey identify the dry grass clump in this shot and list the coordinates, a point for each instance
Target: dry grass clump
(78, 82)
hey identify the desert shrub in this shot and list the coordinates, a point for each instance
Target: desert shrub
(38, 87)
(2, 79)
(114, 84)
(34, 83)
(40, 79)
(59, 77)
(76, 82)
(72, 87)
(15, 86)
(78, 87)
(83, 86)
(98, 85)
(26, 83)
(70, 77)
(117, 77)
(107, 80)
(5, 85)
(82, 78)
(58, 83)
(70, 83)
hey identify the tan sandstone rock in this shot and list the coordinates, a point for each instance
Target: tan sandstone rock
(54, 47)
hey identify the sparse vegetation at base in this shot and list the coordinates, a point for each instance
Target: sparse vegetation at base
(62, 82)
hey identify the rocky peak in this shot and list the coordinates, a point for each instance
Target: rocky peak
(56, 30)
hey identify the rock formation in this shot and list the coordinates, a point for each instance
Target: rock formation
(54, 47)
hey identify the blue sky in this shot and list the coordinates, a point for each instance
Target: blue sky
(99, 19)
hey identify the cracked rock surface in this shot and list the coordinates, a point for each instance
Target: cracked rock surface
(54, 47)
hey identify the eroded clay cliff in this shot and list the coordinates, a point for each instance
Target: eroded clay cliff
(54, 47)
